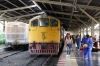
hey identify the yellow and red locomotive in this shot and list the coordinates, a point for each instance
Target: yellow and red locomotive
(45, 35)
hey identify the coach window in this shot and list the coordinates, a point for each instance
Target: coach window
(34, 22)
(53, 22)
(43, 21)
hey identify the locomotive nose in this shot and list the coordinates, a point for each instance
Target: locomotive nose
(43, 35)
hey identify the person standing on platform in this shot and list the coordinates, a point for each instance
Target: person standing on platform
(68, 43)
(78, 41)
(88, 48)
(94, 39)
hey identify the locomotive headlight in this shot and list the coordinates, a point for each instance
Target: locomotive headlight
(29, 29)
(31, 42)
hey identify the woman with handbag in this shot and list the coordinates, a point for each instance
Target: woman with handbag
(87, 44)
(68, 43)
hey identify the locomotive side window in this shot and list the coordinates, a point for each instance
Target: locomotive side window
(53, 22)
(43, 21)
(34, 22)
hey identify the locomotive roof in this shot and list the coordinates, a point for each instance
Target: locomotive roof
(16, 22)
(44, 16)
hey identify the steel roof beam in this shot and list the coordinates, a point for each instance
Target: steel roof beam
(87, 4)
(82, 21)
(17, 19)
(45, 7)
(13, 5)
(16, 6)
(88, 15)
(19, 8)
(7, 19)
(8, 8)
(68, 4)
(74, 3)
(38, 6)
(77, 24)
(27, 15)
(25, 5)
(66, 18)
(61, 8)
(2, 14)
(65, 13)
(52, 8)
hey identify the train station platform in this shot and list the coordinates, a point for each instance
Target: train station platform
(76, 59)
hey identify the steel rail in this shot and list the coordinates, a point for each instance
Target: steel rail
(46, 60)
(30, 61)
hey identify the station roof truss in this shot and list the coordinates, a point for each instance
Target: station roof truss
(73, 14)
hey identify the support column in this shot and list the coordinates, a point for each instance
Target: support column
(86, 30)
(99, 28)
(83, 31)
(92, 28)
(4, 26)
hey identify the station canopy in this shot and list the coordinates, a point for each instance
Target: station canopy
(72, 13)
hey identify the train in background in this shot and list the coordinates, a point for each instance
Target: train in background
(16, 34)
(46, 35)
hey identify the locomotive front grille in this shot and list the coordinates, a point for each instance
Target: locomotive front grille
(45, 49)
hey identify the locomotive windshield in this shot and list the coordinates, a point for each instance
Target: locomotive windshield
(53, 22)
(44, 21)
(34, 22)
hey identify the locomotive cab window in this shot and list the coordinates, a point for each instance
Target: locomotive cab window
(53, 22)
(34, 22)
(43, 21)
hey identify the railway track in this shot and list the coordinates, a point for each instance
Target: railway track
(5, 55)
(19, 59)
(37, 61)
(4, 52)
(42, 61)
(45, 63)
(51, 61)
(31, 61)
(24, 59)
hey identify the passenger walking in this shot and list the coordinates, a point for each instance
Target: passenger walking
(74, 41)
(78, 41)
(68, 43)
(92, 40)
(88, 48)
